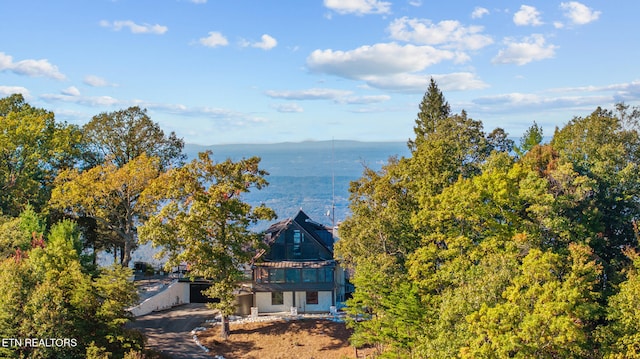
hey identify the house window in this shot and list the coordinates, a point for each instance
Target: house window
(312, 297)
(261, 275)
(309, 275)
(293, 275)
(297, 244)
(277, 298)
(276, 275)
(328, 275)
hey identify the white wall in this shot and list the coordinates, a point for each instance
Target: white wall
(176, 293)
(263, 302)
(325, 300)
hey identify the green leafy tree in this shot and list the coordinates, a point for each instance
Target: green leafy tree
(499, 141)
(374, 244)
(464, 250)
(467, 256)
(457, 147)
(202, 220)
(33, 149)
(531, 138)
(46, 293)
(605, 148)
(110, 195)
(376, 278)
(17, 234)
(380, 222)
(550, 310)
(621, 335)
(121, 136)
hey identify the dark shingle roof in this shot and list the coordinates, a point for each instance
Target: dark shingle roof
(290, 264)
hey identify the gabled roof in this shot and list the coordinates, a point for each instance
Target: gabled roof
(317, 231)
(275, 229)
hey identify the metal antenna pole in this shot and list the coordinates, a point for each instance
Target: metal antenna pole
(333, 187)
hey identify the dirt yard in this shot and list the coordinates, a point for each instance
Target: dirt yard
(300, 339)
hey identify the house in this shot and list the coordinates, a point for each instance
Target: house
(298, 269)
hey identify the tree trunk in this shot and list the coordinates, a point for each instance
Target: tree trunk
(224, 327)
(122, 255)
(126, 250)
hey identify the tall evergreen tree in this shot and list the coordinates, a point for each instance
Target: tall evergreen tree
(433, 108)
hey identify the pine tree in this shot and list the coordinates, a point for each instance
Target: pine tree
(433, 108)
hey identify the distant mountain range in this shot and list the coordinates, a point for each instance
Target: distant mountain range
(313, 176)
(307, 174)
(310, 158)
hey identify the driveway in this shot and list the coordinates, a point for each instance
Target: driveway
(169, 331)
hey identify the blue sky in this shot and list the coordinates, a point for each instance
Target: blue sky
(263, 71)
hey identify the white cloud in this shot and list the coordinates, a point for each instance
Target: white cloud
(95, 81)
(580, 98)
(10, 90)
(579, 13)
(527, 15)
(358, 7)
(226, 118)
(267, 42)
(288, 108)
(479, 12)
(390, 66)
(338, 96)
(449, 33)
(71, 91)
(558, 24)
(613, 87)
(378, 60)
(199, 1)
(528, 102)
(309, 94)
(91, 101)
(514, 99)
(31, 68)
(418, 83)
(416, 3)
(364, 100)
(531, 48)
(459, 81)
(135, 28)
(621, 92)
(214, 39)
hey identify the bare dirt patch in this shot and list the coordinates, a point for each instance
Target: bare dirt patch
(303, 338)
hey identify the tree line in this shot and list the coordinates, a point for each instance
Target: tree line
(70, 192)
(472, 246)
(477, 247)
